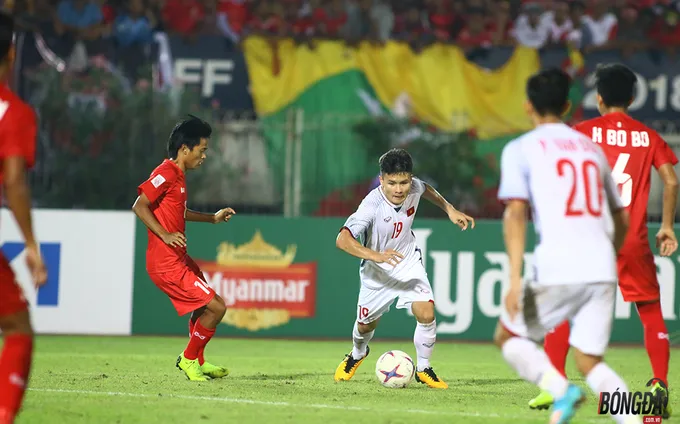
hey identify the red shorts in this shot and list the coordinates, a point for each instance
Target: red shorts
(12, 298)
(185, 286)
(637, 276)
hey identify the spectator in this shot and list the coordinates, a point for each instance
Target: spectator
(134, 26)
(232, 16)
(560, 24)
(81, 19)
(602, 26)
(266, 19)
(410, 28)
(667, 33)
(331, 17)
(531, 29)
(475, 35)
(183, 17)
(580, 36)
(500, 24)
(628, 34)
(383, 19)
(360, 25)
(442, 20)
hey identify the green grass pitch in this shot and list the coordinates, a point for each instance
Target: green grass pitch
(134, 380)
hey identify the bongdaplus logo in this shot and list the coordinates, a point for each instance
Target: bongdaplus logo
(650, 404)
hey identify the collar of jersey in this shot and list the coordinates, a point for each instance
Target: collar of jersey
(388, 202)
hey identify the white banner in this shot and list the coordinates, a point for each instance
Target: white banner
(90, 260)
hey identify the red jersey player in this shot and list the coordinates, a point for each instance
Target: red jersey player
(17, 152)
(632, 149)
(161, 205)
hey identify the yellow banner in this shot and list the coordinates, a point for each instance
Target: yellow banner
(444, 88)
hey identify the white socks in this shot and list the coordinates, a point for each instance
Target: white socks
(424, 338)
(533, 365)
(604, 379)
(360, 342)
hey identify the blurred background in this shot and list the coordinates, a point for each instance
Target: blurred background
(304, 95)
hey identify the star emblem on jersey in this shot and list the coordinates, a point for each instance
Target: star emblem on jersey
(410, 211)
(390, 374)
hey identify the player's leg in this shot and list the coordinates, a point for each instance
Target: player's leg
(203, 331)
(657, 344)
(372, 304)
(424, 339)
(556, 346)
(17, 350)
(209, 369)
(543, 308)
(590, 333)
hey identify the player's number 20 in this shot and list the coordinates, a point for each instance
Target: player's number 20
(589, 174)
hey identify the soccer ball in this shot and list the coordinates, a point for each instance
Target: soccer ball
(394, 369)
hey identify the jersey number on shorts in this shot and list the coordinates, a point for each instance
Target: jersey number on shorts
(203, 286)
(398, 226)
(587, 178)
(363, 312)
(623, 180)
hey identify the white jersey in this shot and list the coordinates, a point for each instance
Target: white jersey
(568, 182)
(381, 225)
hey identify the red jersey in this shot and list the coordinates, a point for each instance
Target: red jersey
(631, 149)
(167, 192)
(17, 128)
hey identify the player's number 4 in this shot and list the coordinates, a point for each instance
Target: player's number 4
(623, 180)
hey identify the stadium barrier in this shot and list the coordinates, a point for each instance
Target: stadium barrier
(89, 256)
(285, 278)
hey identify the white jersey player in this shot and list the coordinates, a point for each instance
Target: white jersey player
(391, 263)
(566, 180)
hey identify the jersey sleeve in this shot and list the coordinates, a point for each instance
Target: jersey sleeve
(418, 187)
(514, 174)
(663, 153)
(360, 222)
(157, 184)
(18, 137)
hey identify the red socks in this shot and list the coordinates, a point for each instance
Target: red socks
(199, 337)
(657, 342)
(556, 346)
(15, 367)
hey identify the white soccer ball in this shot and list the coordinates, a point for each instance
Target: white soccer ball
(394, 369)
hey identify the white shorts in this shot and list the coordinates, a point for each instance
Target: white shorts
(379, 291)
(589, 308)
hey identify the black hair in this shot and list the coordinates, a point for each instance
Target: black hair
(6, 33)
(548, 91)
(396, 161)
(188, 132)
(577, 5)
(616, 84)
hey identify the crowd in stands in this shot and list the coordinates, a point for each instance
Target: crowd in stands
(586, 24)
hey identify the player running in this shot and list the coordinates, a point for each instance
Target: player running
(17, 152)
(161, 206)
(566, 181)
(632, 149)
(391, 263)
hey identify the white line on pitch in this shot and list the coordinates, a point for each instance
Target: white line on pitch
(289, 404)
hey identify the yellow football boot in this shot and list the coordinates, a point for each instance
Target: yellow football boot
(348, 366)
(427, 376)
(191, 368)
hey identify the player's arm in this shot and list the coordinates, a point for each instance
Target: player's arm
(456, 216)
(148, 192)
(664, 159)
(619, 214)
(360, 222)
(223, 215)
(513, 190)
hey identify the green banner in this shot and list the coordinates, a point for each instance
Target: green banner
(285, 277)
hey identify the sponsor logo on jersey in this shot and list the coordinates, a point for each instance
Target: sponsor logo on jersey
(260, 284)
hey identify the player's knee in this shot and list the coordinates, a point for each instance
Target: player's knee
(19, 323)
(586, 362)
(218, 307)
(423, 311)
(367, 328)
(501, 335)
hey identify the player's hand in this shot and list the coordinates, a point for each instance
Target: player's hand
(666, 241)
(461, 220)
(175, 240)
(224, 215)
(512, 301)
(389, 256)
(36, 265)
